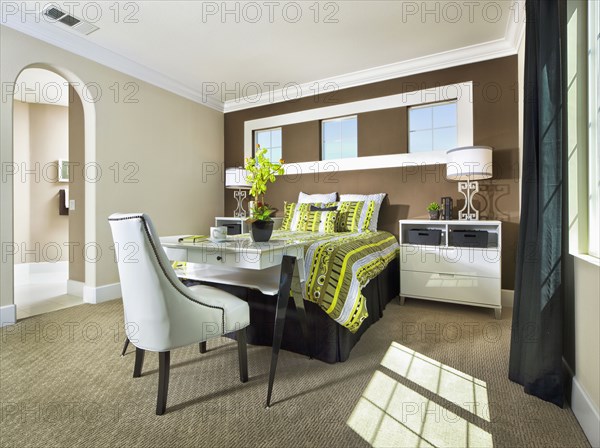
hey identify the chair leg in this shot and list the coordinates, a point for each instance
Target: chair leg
(202, 347)
(164, 361)
(125, 345)
(242, 354)
(139, 362)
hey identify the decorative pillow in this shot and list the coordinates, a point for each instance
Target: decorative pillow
(354, 216)
(377, 197)
(299, 210)
(318, 221)
(304, 198)
(329, 207)
(288, 215)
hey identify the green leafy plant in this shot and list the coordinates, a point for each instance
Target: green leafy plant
(261, 171)
(433, 207)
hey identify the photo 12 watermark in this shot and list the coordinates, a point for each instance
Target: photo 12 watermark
(270, 12)
(70, 12)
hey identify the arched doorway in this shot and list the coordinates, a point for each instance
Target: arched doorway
(80, 271)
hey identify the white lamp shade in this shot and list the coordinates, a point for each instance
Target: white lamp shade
(235, 178)
(469, 163)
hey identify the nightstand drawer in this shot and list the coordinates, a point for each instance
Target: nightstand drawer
(450, 287)
(451, 260)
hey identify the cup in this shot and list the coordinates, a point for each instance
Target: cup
(218, 233)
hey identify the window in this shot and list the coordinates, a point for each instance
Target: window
(432, 127)
(270, 139)
(339, 138)
(594, 130)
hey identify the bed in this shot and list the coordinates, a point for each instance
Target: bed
(351, 272)
(332, 335)
(350, 278)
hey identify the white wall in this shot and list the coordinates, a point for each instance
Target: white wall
(167, 138)
(40, 138)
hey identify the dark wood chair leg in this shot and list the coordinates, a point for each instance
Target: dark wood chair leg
(285, 283)
(202, 347)
(242, 354)
(139, 362)
(125, 345)
(299, 302)
(164, 361)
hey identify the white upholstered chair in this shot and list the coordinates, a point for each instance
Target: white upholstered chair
(163, 314)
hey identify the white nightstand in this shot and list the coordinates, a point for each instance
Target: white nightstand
(451, 271)
(235, 226)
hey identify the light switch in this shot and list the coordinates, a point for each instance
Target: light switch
(72, 205)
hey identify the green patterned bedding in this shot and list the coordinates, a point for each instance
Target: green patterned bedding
(338, 266)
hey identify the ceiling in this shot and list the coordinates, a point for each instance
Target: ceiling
(234, 55)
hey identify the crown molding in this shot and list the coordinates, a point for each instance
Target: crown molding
(461, 56)
(69, 41)
(78, 45)
(515, 28)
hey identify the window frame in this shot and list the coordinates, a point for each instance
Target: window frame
(593, 159)
(340, 120)
(270, 130)
(432, 128)
(462, 92)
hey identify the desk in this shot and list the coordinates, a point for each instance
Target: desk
(231, 262)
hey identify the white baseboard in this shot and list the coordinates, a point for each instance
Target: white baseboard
(507, 298)
(75, 288)
(102, 293)
(8, 315)
(41, 268)
(586, 413)
(49, 268)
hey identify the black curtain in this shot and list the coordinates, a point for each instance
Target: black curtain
(536, 340)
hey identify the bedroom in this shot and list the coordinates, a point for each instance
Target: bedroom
(172, 128)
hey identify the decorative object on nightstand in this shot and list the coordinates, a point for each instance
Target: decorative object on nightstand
(467, 165)
(452, 261)
(446, 208)
(236, 178)
(434, 211)
(261, 171)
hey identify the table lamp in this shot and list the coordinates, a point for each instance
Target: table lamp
(468, 165)
(235, 179)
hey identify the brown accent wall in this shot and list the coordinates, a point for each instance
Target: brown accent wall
(409, 190)
(383, 132)
(302, 142)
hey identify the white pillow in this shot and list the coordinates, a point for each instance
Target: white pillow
(304, 198)
(377, 197)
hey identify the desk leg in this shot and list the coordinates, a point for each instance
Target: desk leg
(285, 283)
(299, 302)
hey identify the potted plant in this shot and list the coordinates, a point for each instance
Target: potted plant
(434, 210)
(261, 171)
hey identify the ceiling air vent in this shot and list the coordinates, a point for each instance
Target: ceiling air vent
(59, 16)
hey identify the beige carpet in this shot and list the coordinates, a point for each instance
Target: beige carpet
(63, 383)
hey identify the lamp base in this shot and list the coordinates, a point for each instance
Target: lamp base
(239, 196)
(468, 189)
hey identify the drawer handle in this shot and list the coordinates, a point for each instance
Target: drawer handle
(219, 258)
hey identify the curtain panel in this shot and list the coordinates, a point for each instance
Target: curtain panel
(536, 340)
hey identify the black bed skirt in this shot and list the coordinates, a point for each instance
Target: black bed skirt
(329, 341)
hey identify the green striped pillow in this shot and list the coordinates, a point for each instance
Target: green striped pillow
(288, 215)
(318, 221)
(355, 216)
